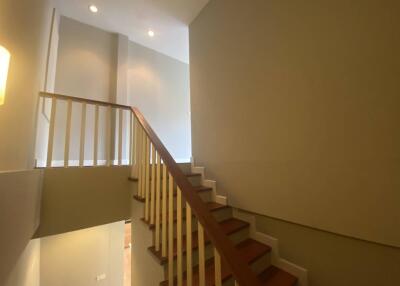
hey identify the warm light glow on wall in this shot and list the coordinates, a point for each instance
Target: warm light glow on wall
(4, 63)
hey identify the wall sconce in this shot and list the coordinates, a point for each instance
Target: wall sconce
(4, 64)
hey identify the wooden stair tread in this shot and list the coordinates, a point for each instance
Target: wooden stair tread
(188, 175)
(228, 226)
(250, 250)
(213, 207)
(273, 276)
(198, 189)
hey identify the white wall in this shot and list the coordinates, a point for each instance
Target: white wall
(20, 194)
(86, 65)
(159, 87)
(295, 110)
(77, 258)
(86, 68)
(100, 65)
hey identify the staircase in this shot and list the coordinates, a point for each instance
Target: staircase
(196, 240)
(253, 253)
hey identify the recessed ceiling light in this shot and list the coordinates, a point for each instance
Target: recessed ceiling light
(150, 33)
(93, 9)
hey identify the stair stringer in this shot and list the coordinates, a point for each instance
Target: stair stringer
(208, 183)
(298, 271)
(276, 260)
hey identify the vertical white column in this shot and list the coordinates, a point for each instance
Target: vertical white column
(179, 236)
(51, 131)
(158, 181)
(202, 270)
(171, 231)
(139, 159)
(147, 181)
(108, 136)
(189, 271)
(67, 133)
(153, 184)
(217, 267)
(132, 144)
(120, 129)
(83, 136)
(164, 212)
(144, 154)
(96, 135)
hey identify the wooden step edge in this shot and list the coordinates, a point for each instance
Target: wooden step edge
(195, 246)
(249, 246)
(139, 199)
(252, 250)
(157, 255)
(274, 276)
(213, 207)
(198, 189)
(188, 175)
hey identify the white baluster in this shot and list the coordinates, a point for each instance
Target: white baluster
(164, 212)
(189, 271)
(83, 136)
(217, 267)
(202, 270)
(158, 181)
(120, 129)
(153, 184)
(108, 136)
(171, 232)
(96, 135)
(179, 236)
(67, 133)
(51, 131)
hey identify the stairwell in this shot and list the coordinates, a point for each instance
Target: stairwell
(189, 235)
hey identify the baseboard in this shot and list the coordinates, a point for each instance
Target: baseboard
(208, 183)
(298, 271)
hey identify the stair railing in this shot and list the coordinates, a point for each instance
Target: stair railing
(117, 123)
(157, 174)
(157, 192)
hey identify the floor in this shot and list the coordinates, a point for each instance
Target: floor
(127, 255)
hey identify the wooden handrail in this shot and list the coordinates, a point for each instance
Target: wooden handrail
(240, 270)
(85, 100)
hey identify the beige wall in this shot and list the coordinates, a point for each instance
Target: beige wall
(20, 194)
(334, 260)
(159, 86)
(77, 258)
(24, 31)
(76, 198)
(27, 270)
(295, 110)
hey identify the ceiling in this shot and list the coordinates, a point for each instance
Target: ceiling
(169, 19)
